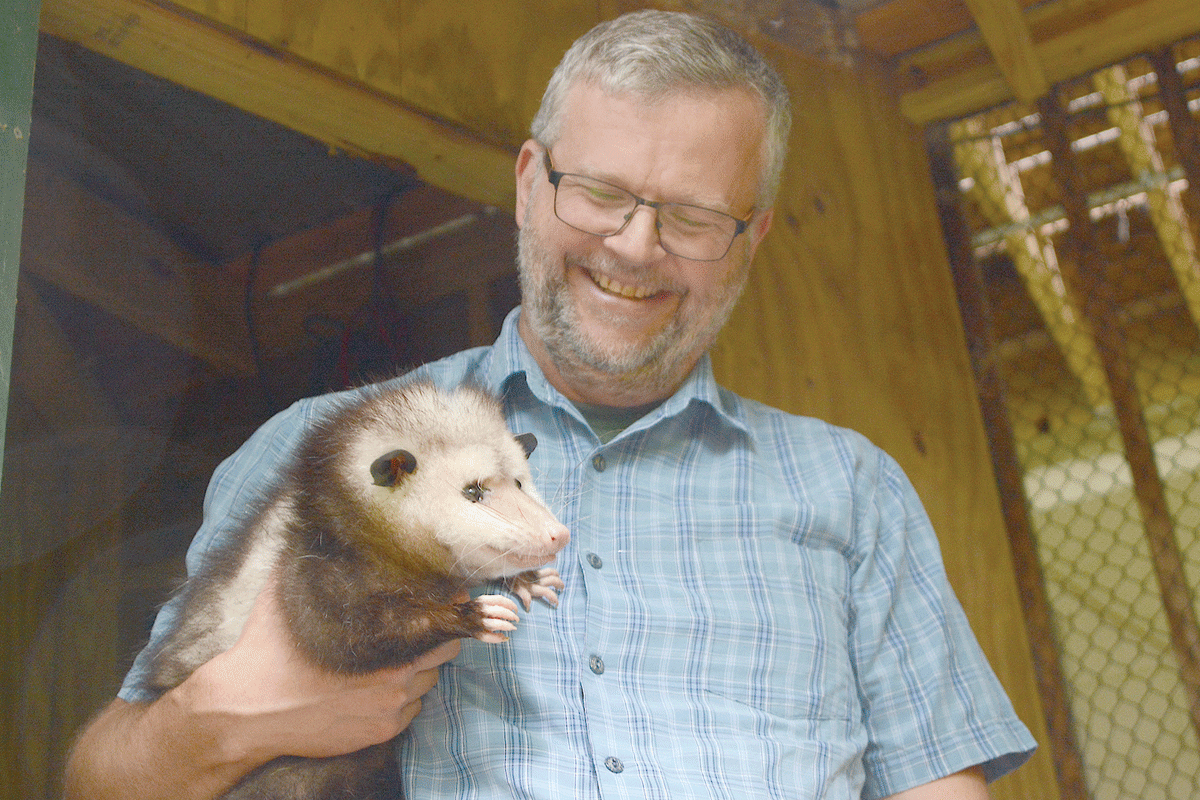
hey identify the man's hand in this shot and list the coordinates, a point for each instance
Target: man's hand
(258, 700)
(280, 704)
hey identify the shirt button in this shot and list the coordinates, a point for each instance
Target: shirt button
(596, 561)
(596, 664)
(599, 463)
(614, 765)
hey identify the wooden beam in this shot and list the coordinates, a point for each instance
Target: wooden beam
(1069, 39)
(199, 54)
(900, 26)
(112, 261)
(1003, 28)
(294, 284)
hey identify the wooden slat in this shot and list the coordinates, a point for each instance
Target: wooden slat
(1003, 28)
(1070, 39)
(1085, 271)
(167, 41)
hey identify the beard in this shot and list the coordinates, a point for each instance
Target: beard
(656, 364)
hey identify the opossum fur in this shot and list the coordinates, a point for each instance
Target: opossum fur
(393, 504)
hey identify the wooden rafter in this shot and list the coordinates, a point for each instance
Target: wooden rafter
(998, 189)
(981, 344)
(1185, 130)
(1003, 28)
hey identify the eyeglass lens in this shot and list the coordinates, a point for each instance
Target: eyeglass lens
(600, 208)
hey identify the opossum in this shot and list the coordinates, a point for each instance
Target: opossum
(392, 505)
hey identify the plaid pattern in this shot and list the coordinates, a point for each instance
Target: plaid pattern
(755, 606)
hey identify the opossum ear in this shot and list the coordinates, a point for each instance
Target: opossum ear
(527, 441)
(390, 469)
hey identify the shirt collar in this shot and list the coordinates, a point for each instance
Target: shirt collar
(511, 361)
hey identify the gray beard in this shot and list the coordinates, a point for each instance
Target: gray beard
(658, 367)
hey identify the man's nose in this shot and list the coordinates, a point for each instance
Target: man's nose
(638, 241)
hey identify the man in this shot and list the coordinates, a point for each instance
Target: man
(755, 604)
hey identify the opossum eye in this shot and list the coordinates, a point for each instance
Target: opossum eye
(527, 441)
(517, 482)
(474, 492)
(390, 469)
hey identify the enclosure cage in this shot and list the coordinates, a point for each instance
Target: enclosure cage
(1072, 227)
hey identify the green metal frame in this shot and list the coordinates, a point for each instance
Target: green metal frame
(18, 52)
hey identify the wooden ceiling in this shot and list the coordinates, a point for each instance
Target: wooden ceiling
(370, 77)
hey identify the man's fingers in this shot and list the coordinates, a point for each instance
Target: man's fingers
(437, 656)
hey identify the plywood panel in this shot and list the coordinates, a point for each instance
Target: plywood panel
(479, 65)
(850, 316)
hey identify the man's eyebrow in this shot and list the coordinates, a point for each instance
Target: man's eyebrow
(599, 175)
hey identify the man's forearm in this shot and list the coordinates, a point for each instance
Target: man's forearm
(146, 752)
(966, 785)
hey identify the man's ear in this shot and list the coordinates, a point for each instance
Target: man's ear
(759, 225)
(529, 162)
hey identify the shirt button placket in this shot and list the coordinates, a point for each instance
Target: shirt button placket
(598, 692)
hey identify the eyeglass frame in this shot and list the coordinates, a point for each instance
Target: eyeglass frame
(554, 176)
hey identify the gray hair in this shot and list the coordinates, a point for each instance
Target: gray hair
(653, 53)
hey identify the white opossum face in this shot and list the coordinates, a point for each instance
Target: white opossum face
(476, 500)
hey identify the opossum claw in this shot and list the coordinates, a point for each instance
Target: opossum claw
(499, 614)
(544, 583)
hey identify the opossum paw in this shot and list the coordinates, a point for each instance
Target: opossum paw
(544, 584)
(499, 615)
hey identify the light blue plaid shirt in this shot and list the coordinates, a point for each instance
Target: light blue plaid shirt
(755, 607)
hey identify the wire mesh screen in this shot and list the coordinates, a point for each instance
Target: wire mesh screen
(1123, 641)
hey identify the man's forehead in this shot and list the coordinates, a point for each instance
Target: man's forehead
(712, 139)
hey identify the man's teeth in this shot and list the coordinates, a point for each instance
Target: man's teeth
(609, 285)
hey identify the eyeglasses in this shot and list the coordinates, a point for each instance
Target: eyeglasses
(602, 209)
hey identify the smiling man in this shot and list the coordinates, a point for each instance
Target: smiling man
(754, 602)
(619, 319)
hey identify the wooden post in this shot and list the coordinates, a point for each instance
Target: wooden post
(977, 322)
(1084, 270)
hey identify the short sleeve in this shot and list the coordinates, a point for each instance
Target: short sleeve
(932, 704)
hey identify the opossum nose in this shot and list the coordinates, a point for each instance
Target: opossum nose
(559, 535)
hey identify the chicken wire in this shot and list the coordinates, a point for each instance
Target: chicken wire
(1134, 724)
